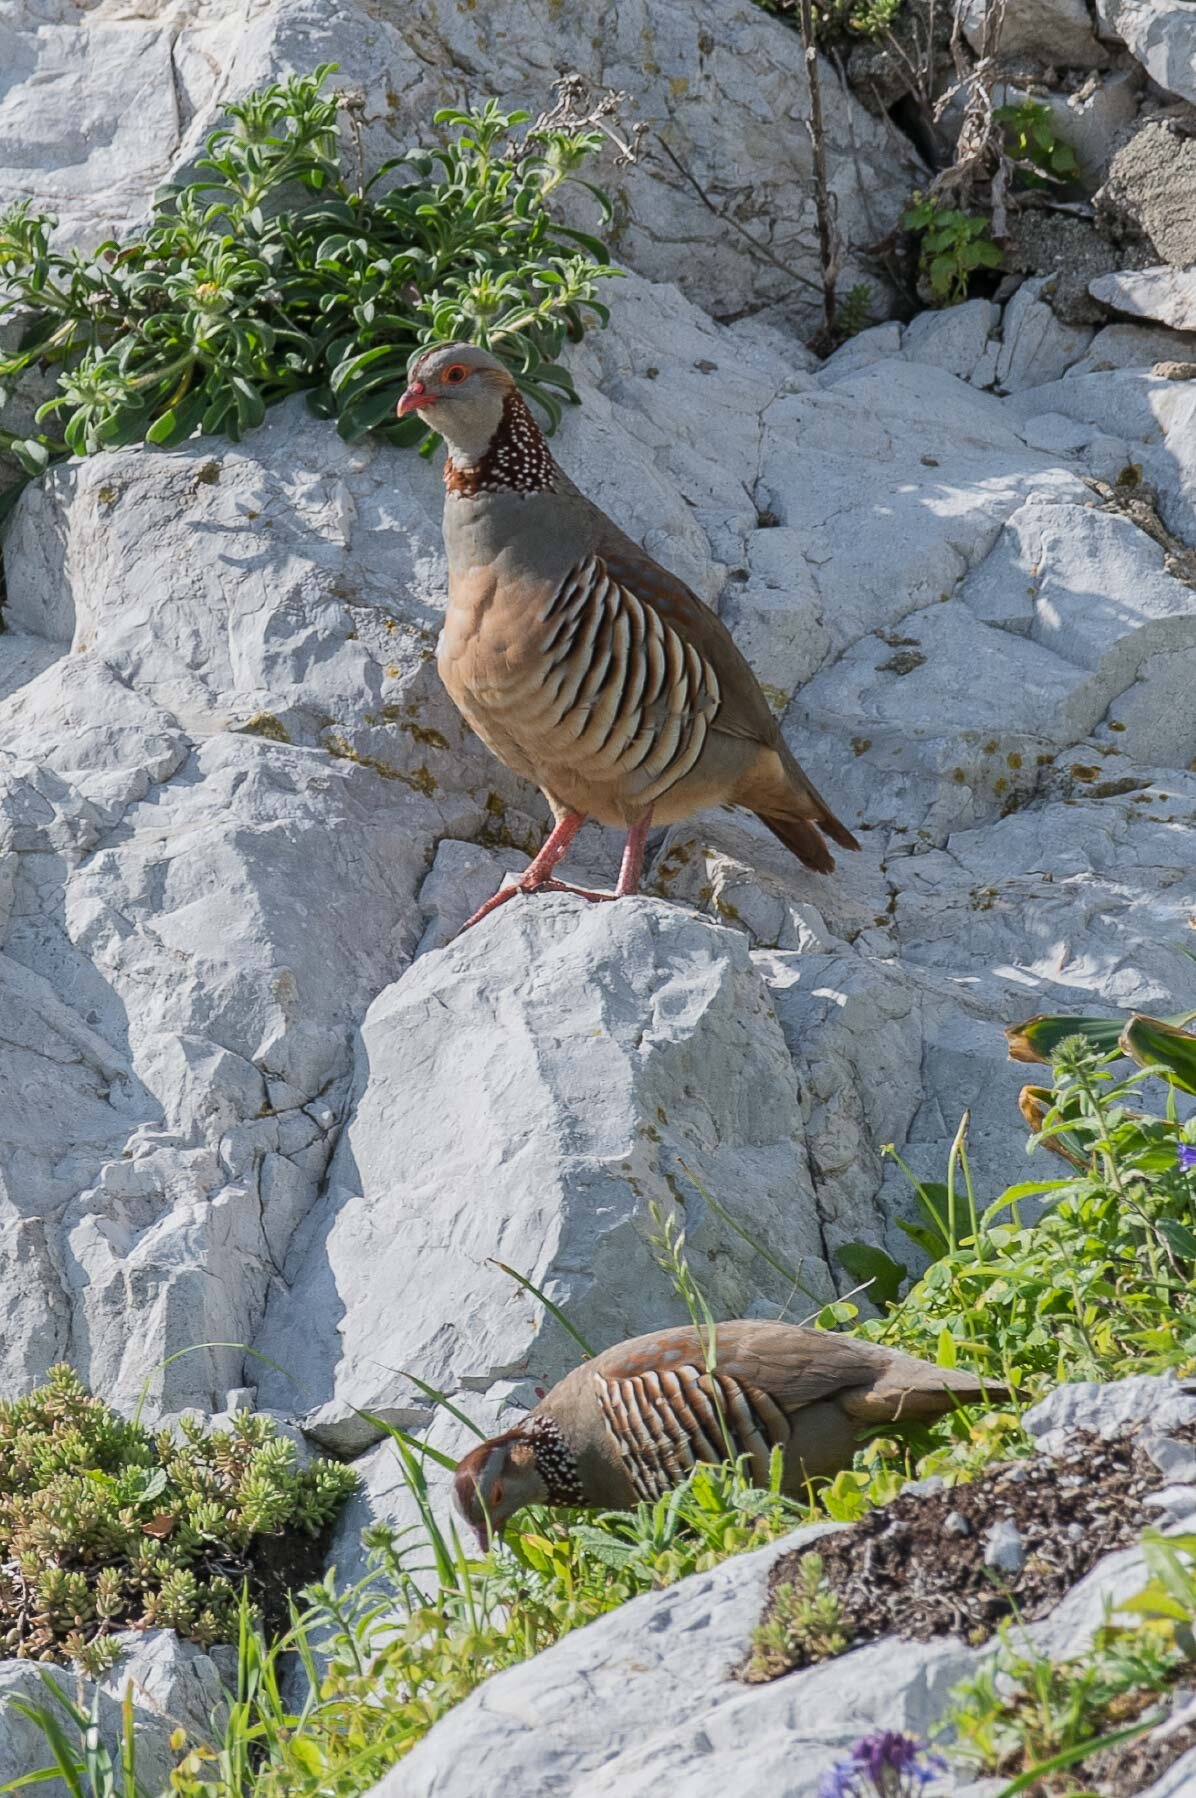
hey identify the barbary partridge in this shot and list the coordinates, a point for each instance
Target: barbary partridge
(582, 663)
(633, 1422)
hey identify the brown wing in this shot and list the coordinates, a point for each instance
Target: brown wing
(664, 1420)
(778, 788)
(743, 711)
(798, 1367)
(620, 694)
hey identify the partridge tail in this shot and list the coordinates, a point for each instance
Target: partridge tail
(778, 790)
(914, 1391)
(805, 838)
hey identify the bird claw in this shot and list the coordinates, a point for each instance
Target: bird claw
(546, 885)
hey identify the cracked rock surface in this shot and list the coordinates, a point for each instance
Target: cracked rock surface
(249, 1097)
(251, 1092)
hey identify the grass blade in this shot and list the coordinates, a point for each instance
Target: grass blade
(530, 1286)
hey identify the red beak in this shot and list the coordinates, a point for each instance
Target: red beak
(416, 399)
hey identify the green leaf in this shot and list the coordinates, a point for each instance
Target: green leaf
(1180, 1238)
(1037, 1039)
(929, 1241)
(530, 1286)
(362, 415)
(1162, 1048)
(867, 1263)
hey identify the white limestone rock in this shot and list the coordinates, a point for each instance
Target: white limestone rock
(1058, 32)
(954, 338)
(1160, 34)
(1157, 1402)
(1166, 295)
(173, 1683)
(468, 1140)
(1127, 345)
(1037, 345)
(1154, 721)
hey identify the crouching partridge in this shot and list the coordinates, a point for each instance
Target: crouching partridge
(582, 663)
(633, 1422)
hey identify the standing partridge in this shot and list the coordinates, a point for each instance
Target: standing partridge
(633, 1422)
(582, 663)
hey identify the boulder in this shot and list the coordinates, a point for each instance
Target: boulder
(1166, 295)
(1058, 32)
(473, 1140)
(955, 338)
(173, 1684)
(1126, 345)
(1160, 36)
(1148, 199)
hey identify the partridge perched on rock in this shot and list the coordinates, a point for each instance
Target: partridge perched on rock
(582, 663)
(634, 1421)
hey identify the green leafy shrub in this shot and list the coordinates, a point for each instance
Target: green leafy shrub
(274, 272)
(804, 1624)
(104, 1525)
(952, 245)
(1029, 130)
(841, 18)
(1102, 1283)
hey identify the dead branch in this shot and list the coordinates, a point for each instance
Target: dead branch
(830, 255)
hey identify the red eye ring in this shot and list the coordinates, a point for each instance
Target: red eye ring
(455, 375)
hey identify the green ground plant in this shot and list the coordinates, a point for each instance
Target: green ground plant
(841, 18)
(1027, 1717)
(952, 245)
(805, 1616)
(276, 270)
(1099, 1285)
(105, 1525)
(1031, 141)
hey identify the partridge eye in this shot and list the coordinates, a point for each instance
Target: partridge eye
(455, 374)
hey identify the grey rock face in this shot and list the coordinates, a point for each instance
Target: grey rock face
(463, 1134)
(1149, 195)
(1159, 1404)
(1160, 34)
(173, 1683)
(1167, 295)
(1055, 31)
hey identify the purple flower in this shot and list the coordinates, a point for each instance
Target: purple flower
(1186, 1156)
(892, 1764)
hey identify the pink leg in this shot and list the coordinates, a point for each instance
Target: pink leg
(538, 878)
(633, 859)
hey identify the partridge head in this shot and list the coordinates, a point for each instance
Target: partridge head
(581, 662)
(633, 1423)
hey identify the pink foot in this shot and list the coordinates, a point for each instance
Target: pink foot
(539, 877)
(547, 885)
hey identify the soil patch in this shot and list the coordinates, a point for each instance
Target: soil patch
(917, 1568)
(1124, 1771)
